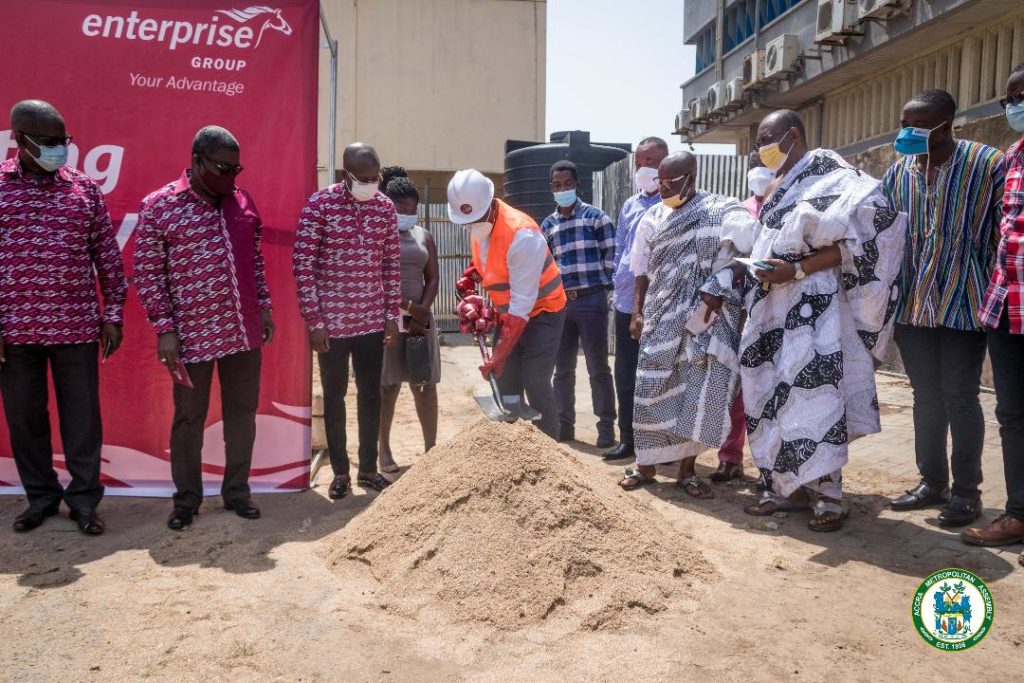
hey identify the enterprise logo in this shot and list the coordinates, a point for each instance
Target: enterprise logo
(246, 31)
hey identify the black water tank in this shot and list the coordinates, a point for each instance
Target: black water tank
(528, 166)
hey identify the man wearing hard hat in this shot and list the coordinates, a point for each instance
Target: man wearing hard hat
(512, 261)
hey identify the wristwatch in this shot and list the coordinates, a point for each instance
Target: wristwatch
(800, 274)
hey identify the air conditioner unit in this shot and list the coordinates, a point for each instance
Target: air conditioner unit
(753, 68)
(780, 56)
(715, 97)
(734, 93)
(881, 9)
(683, 121)
(698, 110)
(835, 19)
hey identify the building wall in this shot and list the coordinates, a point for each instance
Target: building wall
(436, 85)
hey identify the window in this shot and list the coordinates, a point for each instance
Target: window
(739, 23)
(705, 42)
(773, 9)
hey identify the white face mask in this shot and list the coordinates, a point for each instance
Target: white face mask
(363, 192)
(646, 179)
(480, 231)
(406, 221)
(758, 180)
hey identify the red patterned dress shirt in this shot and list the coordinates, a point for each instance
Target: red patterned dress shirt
(1007, 286)
(56, 241)
(199, 270)
(346, 262)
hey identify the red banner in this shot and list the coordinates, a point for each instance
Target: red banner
(134, 81)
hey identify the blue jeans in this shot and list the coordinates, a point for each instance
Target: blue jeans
(586, 323)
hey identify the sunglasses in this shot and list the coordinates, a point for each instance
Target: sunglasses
(1012, 99)
(667, 182)
(48, 140)
(225, 168)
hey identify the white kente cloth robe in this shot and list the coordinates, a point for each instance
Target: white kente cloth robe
(809, 346)
(686, 383)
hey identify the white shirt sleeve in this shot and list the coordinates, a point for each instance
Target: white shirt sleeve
(641, 253)
(525, 259)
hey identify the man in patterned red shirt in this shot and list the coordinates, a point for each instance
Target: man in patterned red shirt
(200, 276)
(54, 233)
(1003, 314)
(348, 272)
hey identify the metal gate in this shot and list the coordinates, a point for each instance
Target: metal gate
(453, 256)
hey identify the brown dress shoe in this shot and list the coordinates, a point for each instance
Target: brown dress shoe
(1005, 530)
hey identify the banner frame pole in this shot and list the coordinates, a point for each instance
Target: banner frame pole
(332, 106)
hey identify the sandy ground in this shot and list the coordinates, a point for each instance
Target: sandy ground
(237, 600)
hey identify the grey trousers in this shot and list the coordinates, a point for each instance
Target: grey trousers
(530, 366)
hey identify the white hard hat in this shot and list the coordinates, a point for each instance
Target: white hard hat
(470, 194)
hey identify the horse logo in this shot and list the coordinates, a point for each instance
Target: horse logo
(272, 19)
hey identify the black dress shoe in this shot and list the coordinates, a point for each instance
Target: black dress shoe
(32, 518)
(960, 511)
(566, 432)
(243, 507)
(620, 452)
(921, 496)
(340, 487)
(88, 521)
(605, 439)
(181, 518)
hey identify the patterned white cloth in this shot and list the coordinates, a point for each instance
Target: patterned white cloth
(809, 346)
(685, 382)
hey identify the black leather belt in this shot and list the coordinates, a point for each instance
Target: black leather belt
(574, 294)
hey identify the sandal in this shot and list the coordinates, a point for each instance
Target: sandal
(390, 468)
(635, 479)
(375, 481)
(769, 504)
(828, 516)
(696, 487)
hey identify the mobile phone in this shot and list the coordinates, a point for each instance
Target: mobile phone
(762, 265)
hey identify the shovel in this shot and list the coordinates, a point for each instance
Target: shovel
(497, 407)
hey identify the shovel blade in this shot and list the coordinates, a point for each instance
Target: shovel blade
(519, 408)
(492, 410)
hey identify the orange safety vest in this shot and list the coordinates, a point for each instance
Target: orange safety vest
(550, 295)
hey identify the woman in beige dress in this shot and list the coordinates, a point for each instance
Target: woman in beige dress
(420, 278)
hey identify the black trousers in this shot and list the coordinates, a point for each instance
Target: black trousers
(530, 366)
(1007, 353)
(944, 367)
(627, 356)
(239, 376)
(586, 325)
(23, 382)
(367, 354)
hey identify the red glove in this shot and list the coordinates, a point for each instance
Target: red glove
(466, 285)
(512, 328)
(469, 311)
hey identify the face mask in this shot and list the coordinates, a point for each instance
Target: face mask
(480, 231)
(758, 180)
(406, 221)
(774, 158)
(50, 158)
(912, 141)
(218, 185)
(646, 179)
(363, 192)
(675, 201)
(566, 198)
(1015, 116)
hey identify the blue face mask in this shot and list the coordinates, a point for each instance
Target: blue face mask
(912, 141)
(566, 198)
(406, 221)
(1015, 116)
(50, 158)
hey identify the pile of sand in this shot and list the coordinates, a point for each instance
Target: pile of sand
(501, 525)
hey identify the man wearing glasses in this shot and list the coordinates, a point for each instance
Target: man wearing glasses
(827, 260)
(200, 276)
(348, 271)
(56, 241)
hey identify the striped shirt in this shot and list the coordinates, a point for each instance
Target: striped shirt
(1007, 286)
(583, 244)
(625, 232)
(952, 235)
